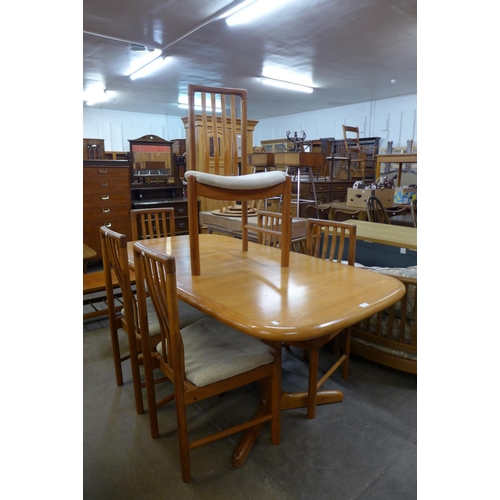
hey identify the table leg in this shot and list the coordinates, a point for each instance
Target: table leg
(289, 400)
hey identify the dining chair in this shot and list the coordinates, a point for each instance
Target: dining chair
(115, 259)
(375, 211)
(205, 359)
(334, 241)
(354, 151)
(152, 223)
(243, 188)
(116, 271)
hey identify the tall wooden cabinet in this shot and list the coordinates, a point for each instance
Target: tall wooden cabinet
(106, 200)
(155, 180)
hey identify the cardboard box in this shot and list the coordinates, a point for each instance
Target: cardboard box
(358, 197)
(404, 195)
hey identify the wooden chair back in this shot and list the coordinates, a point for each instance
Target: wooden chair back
(187, 352)
(152, 223)
(216, 117)
(243, 188)
(353, 149)
(115, 258)
(327, 239)
(375, 211)
(269, 228)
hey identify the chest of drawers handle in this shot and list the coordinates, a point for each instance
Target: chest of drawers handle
(105, 197)
(103, 170)
(104, 184)
(106, 210)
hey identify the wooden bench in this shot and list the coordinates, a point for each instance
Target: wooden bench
(94, 294)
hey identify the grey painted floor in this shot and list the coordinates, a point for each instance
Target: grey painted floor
(362, 448)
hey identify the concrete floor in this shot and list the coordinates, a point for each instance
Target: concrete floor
(362, 448)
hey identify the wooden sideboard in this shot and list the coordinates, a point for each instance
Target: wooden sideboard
(106, 200)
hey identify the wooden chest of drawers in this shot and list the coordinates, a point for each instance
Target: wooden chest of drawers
(326, 192)
(106, 200)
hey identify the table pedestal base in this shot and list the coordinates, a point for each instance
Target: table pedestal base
(289, 400)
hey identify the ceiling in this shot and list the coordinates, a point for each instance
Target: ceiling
(349, 49)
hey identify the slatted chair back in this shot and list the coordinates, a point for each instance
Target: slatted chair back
(269, 228)
(354, 150)
(152, 223)
(191, 358)
(217, 121)
(331, 240)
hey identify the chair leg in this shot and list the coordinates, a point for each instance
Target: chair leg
(136, 374)
(115, 347)
(150, 392)
(180, 409)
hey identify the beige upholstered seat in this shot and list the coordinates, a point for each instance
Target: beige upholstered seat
(205, 359)
(243, 188)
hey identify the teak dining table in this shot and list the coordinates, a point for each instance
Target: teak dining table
(250, 291)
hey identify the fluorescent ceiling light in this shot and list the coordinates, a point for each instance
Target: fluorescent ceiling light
(150, 68)
(141, 59)
(250, 10)
(239, 7)
(286, 85)
(97, 94)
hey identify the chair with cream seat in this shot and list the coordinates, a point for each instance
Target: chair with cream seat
(150, 223)
(205, 359)
(116, 271)
(327, 239)
(244, 188)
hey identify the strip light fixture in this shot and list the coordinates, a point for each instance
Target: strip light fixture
(286, 85)
(150, 68)
(250, 10)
